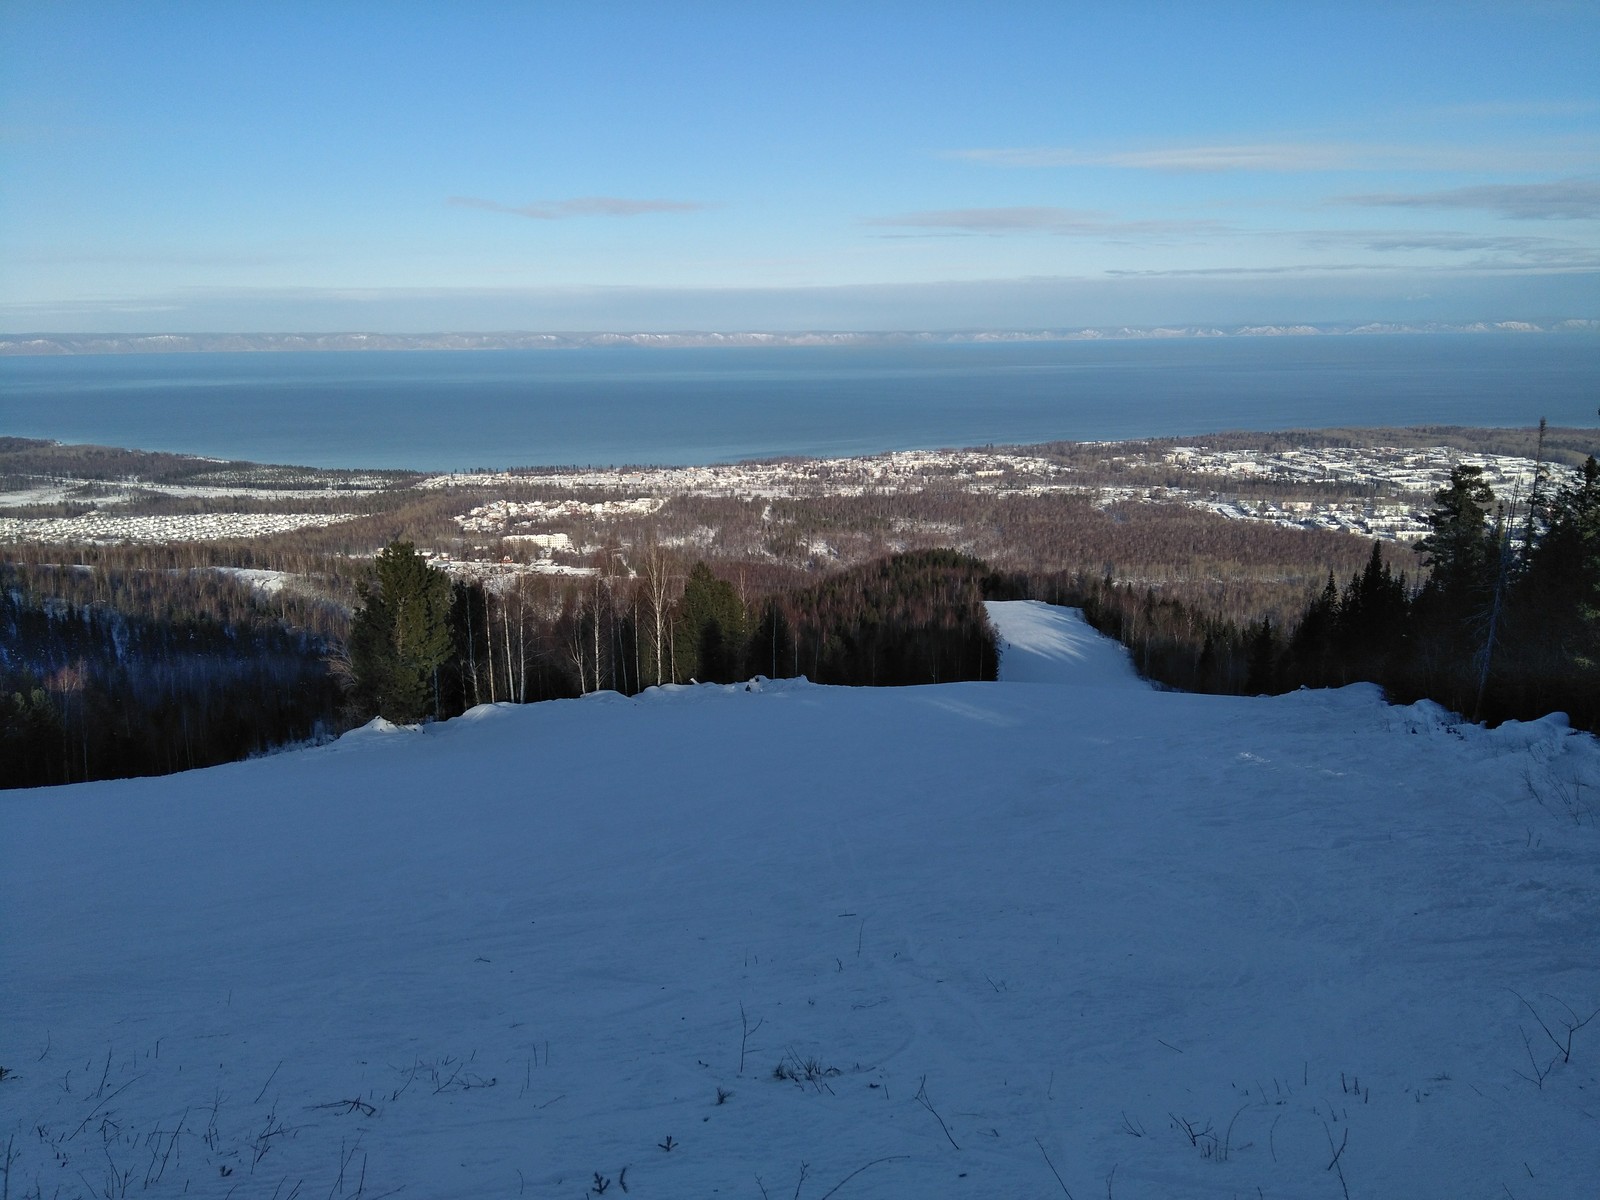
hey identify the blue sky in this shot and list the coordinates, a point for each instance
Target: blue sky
(408, 167)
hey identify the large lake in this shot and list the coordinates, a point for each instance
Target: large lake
(449, 410)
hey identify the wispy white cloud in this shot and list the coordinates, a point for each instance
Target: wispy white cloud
(1286, 269)
(27, 313)
(75, 256)
(1530, 251)
(1484, 269)
(1293, 157)
(1567, 199)
(1065, 222)
(579, 206)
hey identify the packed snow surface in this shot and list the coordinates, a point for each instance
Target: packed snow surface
(1043, 643)
(974, 940)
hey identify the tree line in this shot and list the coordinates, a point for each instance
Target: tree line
(1505, 623)
(108, 688)
(421, 646)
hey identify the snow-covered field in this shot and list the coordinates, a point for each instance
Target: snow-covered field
(975, 940)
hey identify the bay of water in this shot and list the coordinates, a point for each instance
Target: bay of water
(456, 410)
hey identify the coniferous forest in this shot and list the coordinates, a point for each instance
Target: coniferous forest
(145, 673)
(1504, 622)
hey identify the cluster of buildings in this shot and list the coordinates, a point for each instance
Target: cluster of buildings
(1372, 491)
(112, 527)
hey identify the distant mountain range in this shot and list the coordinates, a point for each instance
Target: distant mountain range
(181, 343)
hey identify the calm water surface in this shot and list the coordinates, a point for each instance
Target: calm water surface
(448, 410)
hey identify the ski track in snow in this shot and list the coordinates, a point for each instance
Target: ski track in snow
(1044, 643)
(495, 956)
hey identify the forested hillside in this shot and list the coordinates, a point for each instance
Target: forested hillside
(156, 655)
(108, 674)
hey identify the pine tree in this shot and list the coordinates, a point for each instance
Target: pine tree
(1371, 620)
(1311, 649)
(1458, 615)
(401, 636)
(1461, 548)
(31, 736)
(1262, 669)
(711, 629)
(1558, 600)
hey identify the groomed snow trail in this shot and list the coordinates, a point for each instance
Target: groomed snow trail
(1190, 939)
(1043, 643)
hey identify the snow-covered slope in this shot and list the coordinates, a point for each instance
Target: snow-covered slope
(1043, 643)
(989, 933)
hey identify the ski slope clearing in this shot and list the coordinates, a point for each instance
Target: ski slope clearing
(1044, 643)
(792, 940)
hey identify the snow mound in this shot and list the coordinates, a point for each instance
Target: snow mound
(1045, 643)
(375, 730)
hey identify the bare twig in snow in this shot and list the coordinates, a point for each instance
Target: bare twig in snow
(922, 1098)
(1065, 1190)
(268, 1083)
(745, 1030)
(1338, 1153)
(1227, 1139)
(1540, 1074)
(858, 1170)
(1571, 1025)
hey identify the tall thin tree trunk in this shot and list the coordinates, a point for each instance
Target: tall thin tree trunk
(655, 605)
(472, 653)
(522, 650)
(488, 636)
(505, 624)
(1496, 603)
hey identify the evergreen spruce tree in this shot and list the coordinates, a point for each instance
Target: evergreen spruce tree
(401, 636)
(31, 736)
(1311, 649)
(1461, 547)
(772, 643)
(1456, 614)
(1372, 618)
(1262, 667)
(711, 629)
(1557, 602)
(1564, 568)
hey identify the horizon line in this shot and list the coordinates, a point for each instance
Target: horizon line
(38, 343)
